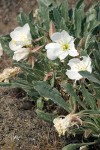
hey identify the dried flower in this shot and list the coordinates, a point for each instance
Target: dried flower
(63, 123)
(8, 73)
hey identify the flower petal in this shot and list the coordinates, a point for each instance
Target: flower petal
(73, 75)
(52, 46)
(22, 53)
(65, 37)
(26, 28)
(51, 54)
(56, 37)
(87, 61)
(73, 61)
(73, 53)
(53, 50)
(13, 46)
(63, 55)
(20, 33)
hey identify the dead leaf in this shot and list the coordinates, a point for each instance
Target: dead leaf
(32, 61)
(87, 133)
(48, 75)
(52, 28)
(37, 48)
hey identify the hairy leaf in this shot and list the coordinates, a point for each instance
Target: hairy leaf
(47, 91)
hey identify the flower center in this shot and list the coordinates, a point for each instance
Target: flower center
(81, 67)
(23, 41)
(65, 47)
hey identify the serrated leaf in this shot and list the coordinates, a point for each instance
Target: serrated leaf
(78, 16)
(64, 10)
(94, 25)
(49, 117)
(78, 20)
(91, 102)
(31, 16)
(47, 91)
(57, 17)
(89, 76)
(5, 45)
(45, 3)
(70, 90)
(22, 19)
(79, 3)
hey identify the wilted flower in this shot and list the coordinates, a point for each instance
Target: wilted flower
(83, 148)
(63, 45)
(8, 73)
(78, 65)
(63, 123)
(20, 37)
(35, 13)
(1, 50)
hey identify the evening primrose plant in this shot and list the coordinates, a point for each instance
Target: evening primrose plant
(57, 56)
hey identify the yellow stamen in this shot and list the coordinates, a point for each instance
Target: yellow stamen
(65, 47)
(14, 42)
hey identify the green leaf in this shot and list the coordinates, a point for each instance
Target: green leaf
(31, 16)
(40, 103)
(78, 16)
(5, 45)
(83, 112)
(45, 3)
(76, 145)
(70, 90)
(49, 117)
(47, 91)
(91, 102)
(4, 84)
(78, 20)
(94, 25)
(79, 3)
(89, 76)
(22, 18)
(64, 10)
(57, 17)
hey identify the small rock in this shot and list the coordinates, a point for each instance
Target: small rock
(26, 105)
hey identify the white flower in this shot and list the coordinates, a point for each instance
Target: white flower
(78, 65)
(20, 37)
(21, 53)
(63, 123)
(63, 45)
(1, 50)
